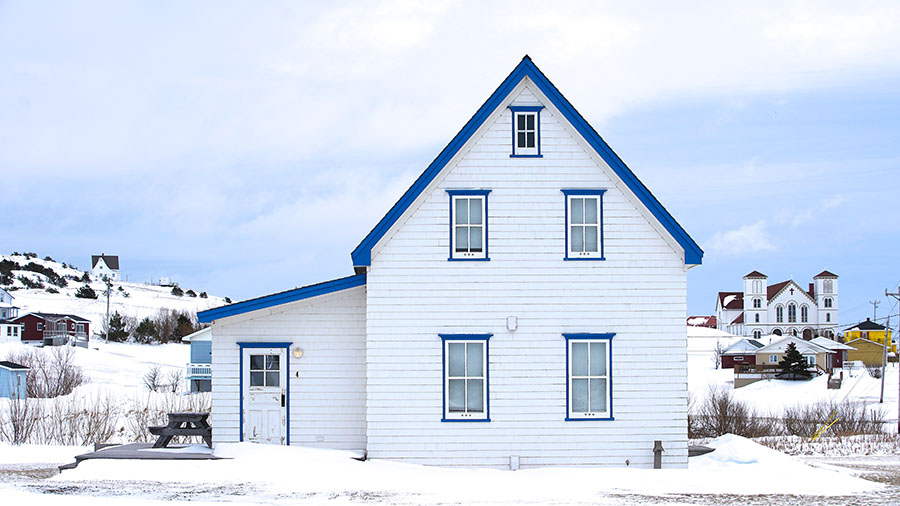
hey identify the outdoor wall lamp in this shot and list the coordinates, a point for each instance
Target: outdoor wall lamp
(298, 352)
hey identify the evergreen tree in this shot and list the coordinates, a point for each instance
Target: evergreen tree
(86, 292)
(177, 291)
(190, 293)
(146, 332)
(117, 330)
(203, 295)
(86, 278)
(793, 365)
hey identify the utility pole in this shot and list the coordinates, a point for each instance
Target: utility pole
(887, 329)
(108, 292)
(875, 304)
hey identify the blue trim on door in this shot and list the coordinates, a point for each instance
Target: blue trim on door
(287, 375)
(277, 299)
(537, 130)
(483, 193)
(487, 374)
(586, 192)
(362, 254)
(592, 336)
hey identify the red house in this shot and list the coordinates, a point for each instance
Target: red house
(53, 329)
(741, 352)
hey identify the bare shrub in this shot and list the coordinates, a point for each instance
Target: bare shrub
(720, 413)
(174, 380)
(166, 323)
(51, 371)
(78, 421)
(875, 371)
(153, 380)
(18, 420)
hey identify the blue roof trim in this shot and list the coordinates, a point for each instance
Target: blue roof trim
(693, 255)
(277, 299)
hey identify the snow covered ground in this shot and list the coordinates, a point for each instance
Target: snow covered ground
(142, 300)
(261, 474)
(772, 396)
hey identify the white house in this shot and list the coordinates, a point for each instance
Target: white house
(7, 310)
(10, 331)
(500, 314)
(105, 266)
(782, 309)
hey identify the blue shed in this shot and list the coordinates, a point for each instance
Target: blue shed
(13, 378)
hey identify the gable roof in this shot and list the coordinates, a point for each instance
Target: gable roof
(12, 365)
(862, 341)
(866, 325)
(276, 299)
(772, 291)
(362, 255)
(739, 319)
(781, 345)
(112, 261)
(743, 346)
(755, 274)
(825, 274)
(736, 300)
(55, 317)
(831, 344)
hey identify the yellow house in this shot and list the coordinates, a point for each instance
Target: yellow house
(871, 331)
(870, 353)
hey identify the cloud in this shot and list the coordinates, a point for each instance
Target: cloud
(746, 239)
(815, 211)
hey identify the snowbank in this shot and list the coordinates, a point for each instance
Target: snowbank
(738, 466)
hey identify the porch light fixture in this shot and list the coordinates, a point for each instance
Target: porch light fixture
(298, 352)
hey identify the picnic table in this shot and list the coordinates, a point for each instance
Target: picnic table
(182, 424)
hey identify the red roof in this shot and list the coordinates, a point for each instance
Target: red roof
(756, 274)
(736, 303)
(825, 274)
(739, 319)
(772, 290)
(702, 321)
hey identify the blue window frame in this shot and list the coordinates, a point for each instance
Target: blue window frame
(589, 376)
(584, 224)
(526, 131)
(466, 378)
(469, 225)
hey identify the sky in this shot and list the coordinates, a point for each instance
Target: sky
(245, 148)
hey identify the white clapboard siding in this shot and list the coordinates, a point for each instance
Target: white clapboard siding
(328, 391)
(414, 294)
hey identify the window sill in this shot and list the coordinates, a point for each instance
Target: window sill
(526, 156)
(451, 259)
(576, 259)
(591, 419)
(464, 420)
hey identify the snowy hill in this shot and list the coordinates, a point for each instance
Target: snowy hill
(129, 299)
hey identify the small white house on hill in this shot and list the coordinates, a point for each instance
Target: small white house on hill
(105, 266)
(7, 310)
(491, 320)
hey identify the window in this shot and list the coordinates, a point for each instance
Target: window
(9, 331)
(739, 358)
(757, 303)
(827, 286)
(756, 318)
(79, 328)
(828, 317)
(466, 378)
(15, 331)
(588, 382)
(264, 370)
(526, 131)
(810, 360)
(828, 302)
(468, 224)
(779, 314)
(792, 313)
(757, 334)
(804, 313)
(40, 326)
(584, 224)
(773, 359)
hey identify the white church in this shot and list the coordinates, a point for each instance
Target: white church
(782, 309)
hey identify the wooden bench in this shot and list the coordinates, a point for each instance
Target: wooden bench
(182, 424)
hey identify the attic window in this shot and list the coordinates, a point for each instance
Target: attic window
(526, 131)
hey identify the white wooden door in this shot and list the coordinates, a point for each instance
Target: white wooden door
(265, 395)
